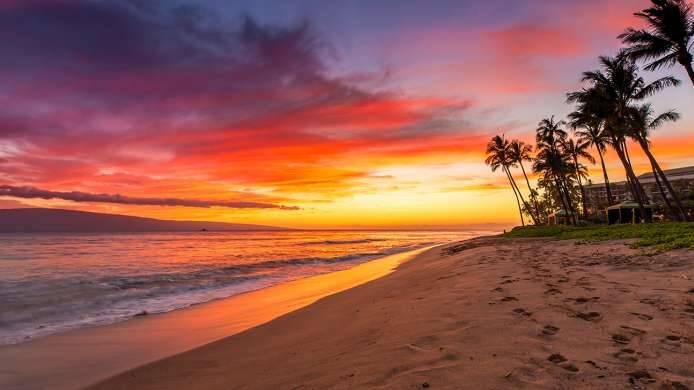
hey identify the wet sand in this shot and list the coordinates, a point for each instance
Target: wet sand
(82, 357)
(491, 313)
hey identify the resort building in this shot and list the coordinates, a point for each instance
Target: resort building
(682, 180)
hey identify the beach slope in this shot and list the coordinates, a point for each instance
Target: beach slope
(490, 313)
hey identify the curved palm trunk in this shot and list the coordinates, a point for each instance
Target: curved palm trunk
(565, 187)
(583, 191)
(534, 201)
(527, 206)
(690, 71)
(567, 194)
(520, 209)
(638, 185)
(680, 209)
(631, 178)
(607, 179)
(562, 196)
(670, 210)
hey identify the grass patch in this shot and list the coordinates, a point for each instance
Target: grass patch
(661, 236)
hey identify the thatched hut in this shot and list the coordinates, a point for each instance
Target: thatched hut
(559, 217)
(627, 212)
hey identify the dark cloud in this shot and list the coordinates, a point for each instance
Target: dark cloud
(75, 196)
(156, 86)
(107, 35)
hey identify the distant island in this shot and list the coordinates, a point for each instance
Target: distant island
(34, 220)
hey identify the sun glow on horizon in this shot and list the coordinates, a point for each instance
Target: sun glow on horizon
(371, 121)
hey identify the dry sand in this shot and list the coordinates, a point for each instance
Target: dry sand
(491, 313)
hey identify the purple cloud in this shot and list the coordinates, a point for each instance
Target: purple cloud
(76, 196)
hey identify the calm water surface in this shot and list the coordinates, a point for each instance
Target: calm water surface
(54, 282)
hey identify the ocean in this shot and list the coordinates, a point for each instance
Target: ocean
(51, 283)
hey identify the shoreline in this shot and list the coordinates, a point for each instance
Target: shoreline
(136, 309)
(491, 312)
(80, 357)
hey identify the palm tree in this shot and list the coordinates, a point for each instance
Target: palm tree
(498, 157)
(642, 121)
(667, 38)
(550, 137)
(579, 149)
(588, 127)
(519, 152)
(614, 90)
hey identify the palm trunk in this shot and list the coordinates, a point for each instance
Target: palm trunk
(527, 206)
(560, 191)
(567, 193)
(639, 187)
(668, 205)
(569, 201)
(633, 182)
(520, 209)
(690, 71)
(666, 181)
(583, 192)
(607, 180)
(533, 200)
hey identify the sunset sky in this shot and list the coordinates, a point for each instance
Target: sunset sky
(307, 114)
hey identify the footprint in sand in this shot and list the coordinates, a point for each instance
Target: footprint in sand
(592, 316)
(552, 291)
(498, 289)
(595, 365)
(640, 316)
(672, 340)
(640, 376)
(627, 355)
(621, 339)
(633, 331)
(550, 330)
(522, 312)
(561, 361)
(508, 299)
(582, 300)
(675, 386)
(563, 280)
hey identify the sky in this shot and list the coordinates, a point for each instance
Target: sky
(308, 114)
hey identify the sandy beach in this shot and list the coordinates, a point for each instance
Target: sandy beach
(490, 313)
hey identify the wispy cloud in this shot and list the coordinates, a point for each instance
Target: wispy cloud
(77, 196)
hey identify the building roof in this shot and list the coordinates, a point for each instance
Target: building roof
(628, 204)
(560, 213)
(672, 174)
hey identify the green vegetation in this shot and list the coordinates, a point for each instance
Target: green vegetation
(661, 236)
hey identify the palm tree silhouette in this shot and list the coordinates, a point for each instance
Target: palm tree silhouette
(498, 158)
(588, 127)
(668, 37)
(613, 91)
(579, 149)
(520, 151)
(642, 121)
(550, 137)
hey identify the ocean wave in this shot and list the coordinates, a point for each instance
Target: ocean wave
(345, 242)
(58, 305)
(241, 272)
